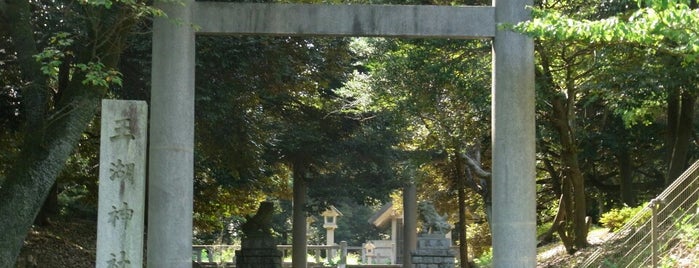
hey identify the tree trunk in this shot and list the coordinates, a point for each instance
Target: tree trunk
(565, 209)
(563, 120)
(572, 172)
(299, 241)
(461, 190)
(680, 132)
(481, 180)
(626, 173)
(561, 227)
(35, 171)
(580, 216)
(50, 135)
(41, 159)
(559, 219)
(34, 94)
(409, 222)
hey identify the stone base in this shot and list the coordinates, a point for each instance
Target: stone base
(260, 253)
(258, 258)
(433, 251)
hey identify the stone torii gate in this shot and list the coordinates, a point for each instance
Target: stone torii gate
(169, 240)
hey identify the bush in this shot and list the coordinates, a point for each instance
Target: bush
(616, 218)
(479, 238)
(485, 260)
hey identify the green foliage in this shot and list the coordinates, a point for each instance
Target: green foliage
(668, 262)
(351, 259)
(353, 226)
(141, 8)
(688, 230)
(616, 218)
(543, 228)
(609, 264)
(683, 252)
(74, 202)
(95, 72)
(65, 56)
(278, 103)
(53, 55)
(439, 91)
(485, 260)
(669, 26)
(432, 86)
(96, 75)
(479, 239)
(218, 255)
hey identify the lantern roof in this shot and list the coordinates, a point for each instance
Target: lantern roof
(331, 212)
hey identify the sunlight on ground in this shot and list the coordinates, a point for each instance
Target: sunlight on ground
(548, 251)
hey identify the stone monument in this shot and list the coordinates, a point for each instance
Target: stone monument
(433, 247)
(259, 249)
(122, 178)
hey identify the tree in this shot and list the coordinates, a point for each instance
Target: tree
(63, 77)
(434, 85)
(353, 226)
(563, 94)
(588, 54)
(665, 28)
(279, 113)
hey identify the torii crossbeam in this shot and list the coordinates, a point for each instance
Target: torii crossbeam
(170, 191)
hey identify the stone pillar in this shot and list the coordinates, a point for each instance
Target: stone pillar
(514, 207)
(343, 255)
(171, 138)
(329, 236)
(409, 223)
(330, 240)
(122, 183)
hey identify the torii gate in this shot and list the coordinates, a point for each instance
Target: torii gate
(172, 103)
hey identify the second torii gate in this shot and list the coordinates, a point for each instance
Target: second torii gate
(170, 189)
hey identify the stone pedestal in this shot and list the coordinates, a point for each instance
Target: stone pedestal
(433, 251)
(258, 253)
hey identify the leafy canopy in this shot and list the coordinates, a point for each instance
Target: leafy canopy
(669, 26)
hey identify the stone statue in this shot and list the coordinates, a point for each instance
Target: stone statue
(433, 223)
(259, 225)
(433, 247)
(259, 248)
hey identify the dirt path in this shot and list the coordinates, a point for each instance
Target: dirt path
(556, 256)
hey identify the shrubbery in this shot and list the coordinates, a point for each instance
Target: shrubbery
(616, 218)
(485, 260)
(479, 238)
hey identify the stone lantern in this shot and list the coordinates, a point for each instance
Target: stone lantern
(330, 224)
(330, 217)
(369, 251)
